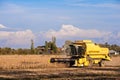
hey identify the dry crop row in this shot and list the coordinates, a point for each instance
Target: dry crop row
(26, 61)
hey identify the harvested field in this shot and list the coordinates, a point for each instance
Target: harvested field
(26, 61)
(36, 67)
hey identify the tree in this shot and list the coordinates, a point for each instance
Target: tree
(53, 44)
(54, 40)
(54, 47)
(46, 46)
(32, 47)
(111, 47)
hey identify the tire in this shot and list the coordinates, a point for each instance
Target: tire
(101, 63)
(90, 63)
(73, 62)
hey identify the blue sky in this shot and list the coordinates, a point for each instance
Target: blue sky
(23, 20)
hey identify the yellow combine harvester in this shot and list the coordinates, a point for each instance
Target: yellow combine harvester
(84, 53)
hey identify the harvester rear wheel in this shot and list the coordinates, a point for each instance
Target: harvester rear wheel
(102, 63)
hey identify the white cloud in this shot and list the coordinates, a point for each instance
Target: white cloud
(109, 5)
(17, 38)
(72, 31)
(118, 35)
(2, 26)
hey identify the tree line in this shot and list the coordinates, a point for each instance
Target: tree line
(111, 46)
(21, 51)
(50, 47)
(10, 51)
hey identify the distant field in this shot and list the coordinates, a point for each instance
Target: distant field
(38, 67)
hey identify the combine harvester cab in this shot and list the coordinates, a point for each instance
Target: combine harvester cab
(85, 53)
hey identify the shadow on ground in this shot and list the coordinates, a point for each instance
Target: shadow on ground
(64, 74)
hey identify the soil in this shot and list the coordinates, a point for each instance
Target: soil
(59, 72)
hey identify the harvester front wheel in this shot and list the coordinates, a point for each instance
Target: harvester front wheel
(90, 61)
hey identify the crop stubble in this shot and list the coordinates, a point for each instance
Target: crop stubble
(39, 67)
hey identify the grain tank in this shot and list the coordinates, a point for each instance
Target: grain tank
(84, 53)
